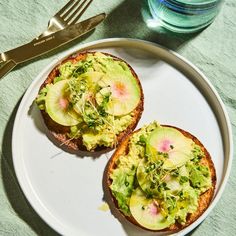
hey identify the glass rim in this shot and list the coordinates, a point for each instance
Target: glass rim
(196, 2)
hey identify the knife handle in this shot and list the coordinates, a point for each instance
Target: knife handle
(6, 67)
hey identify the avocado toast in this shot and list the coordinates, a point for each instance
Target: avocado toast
(161, 178)
(91, 101)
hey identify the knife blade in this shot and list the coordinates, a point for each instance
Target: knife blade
(48, 43)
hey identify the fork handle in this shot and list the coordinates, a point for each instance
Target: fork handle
(6, 67)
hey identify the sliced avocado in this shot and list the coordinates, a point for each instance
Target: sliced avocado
(171, 141)
(147, 212)
(125, 93)
(58, 105)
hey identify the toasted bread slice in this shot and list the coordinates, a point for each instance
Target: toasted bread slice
(59, 132)
(203, 201)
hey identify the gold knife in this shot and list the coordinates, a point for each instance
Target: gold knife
(39, 47)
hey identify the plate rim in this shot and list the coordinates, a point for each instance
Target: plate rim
(44, 213)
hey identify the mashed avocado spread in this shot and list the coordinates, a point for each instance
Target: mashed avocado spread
(161, 177)
(95, 97)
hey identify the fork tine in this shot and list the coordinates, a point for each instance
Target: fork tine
(80, 14)
(71, 9)
(65, 7)
(77, 10)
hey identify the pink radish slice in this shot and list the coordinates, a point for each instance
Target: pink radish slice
(125, 94)
(119, 91)
(153, 208)
(171, 141)
(63, 103)
(147, 213)
(165, 145)
(57, 105)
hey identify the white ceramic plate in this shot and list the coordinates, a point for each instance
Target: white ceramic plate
(66, 190)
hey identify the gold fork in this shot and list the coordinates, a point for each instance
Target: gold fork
(68, 15)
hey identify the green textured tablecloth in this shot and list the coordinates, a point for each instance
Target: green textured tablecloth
(212, 50)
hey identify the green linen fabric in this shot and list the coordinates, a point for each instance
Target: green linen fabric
(213, 50)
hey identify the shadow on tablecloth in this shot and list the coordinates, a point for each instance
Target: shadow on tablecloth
(127, 20)
(12, 189)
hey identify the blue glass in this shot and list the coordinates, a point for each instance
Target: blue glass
(184, 16)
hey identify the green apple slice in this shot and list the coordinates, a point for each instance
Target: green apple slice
(147, 212)
(58, 105)
(124, 91)
(171, 141)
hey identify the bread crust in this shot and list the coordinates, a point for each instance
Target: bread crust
(59, 132)
(204, 199)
